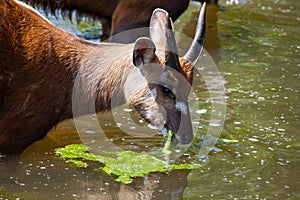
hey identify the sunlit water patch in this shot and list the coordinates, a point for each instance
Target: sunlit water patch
(260, 60)
(256, 45)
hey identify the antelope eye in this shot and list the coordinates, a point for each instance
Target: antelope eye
(167, 92)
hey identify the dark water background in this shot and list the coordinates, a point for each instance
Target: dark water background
(256, 45)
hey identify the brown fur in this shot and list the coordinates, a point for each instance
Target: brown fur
(30, 100)
(186, 70)
(38, 67)
(135, 13)
(116, 15)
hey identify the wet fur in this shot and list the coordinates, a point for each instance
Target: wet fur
(38, 66)
(36, 75)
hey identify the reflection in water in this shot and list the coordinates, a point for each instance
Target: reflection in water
(39, 176)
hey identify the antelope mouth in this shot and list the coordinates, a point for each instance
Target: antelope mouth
(166, 131)
(180, 136)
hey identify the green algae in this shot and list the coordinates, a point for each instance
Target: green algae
(227, 141)
(168, 145)
(124, 164)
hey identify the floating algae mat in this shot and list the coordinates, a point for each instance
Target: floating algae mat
(126, 164)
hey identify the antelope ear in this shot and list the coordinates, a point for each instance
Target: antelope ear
(158, 27)
(144, 51)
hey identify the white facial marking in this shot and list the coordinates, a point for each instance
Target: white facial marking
(164, 132)
(180, 106)
(153, 93)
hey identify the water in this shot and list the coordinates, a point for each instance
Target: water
(256, 46)
(259, 56)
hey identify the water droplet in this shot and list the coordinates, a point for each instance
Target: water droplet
(253, 139)
(201, 111)
(90, 131)
(128, 110)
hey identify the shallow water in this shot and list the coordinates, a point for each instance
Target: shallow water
(256, 47)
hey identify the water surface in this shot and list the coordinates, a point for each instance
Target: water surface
(256, 47)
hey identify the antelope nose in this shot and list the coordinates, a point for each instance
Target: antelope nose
(185, 137)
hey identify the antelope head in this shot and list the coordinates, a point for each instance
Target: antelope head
(159, 85)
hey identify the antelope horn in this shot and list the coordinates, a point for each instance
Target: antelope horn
(195, 50)
(171, 56)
